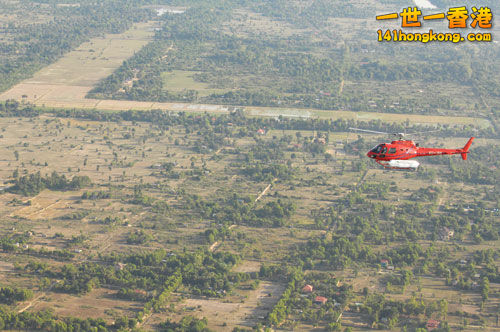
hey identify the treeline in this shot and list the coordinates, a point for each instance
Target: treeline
(242, 211)
(337, 252)
(266, 173)
(18, 243)
(93, 195)
(217, 234)
(62, 255)
(138, 237)
(282, 309)
(248, 125)
(203, 273)
(10, 295)
(33, 184)
(186, 324)
(47, 321)
(154, 304)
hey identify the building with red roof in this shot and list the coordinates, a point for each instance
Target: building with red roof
(307, 289)
(432, 324)
(320, 300)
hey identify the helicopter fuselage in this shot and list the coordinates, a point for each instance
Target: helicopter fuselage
(405, 149)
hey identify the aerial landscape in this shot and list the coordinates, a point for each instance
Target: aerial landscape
(247, 165)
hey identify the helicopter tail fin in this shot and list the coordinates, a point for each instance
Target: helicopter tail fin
(465, 150)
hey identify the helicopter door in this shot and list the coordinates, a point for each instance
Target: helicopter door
(383, 152)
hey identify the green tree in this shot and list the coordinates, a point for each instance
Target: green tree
(485, 288)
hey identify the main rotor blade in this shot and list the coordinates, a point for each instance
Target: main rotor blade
(371, 131)
(423, 132)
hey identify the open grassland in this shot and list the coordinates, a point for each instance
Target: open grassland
(179, 80)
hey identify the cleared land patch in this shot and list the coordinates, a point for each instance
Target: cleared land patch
(69, 79)
(42, 207)
(248, 266)
(246, 312)
(100, 303)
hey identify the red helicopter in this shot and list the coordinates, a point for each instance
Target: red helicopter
(396, 155)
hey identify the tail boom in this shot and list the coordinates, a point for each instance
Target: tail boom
(422, 152)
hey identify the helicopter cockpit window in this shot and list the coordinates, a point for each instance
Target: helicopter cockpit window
(392, 150)
(377, 149)
(384, 150)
